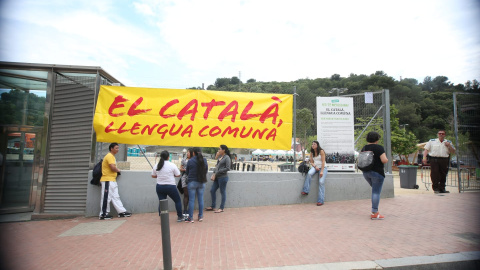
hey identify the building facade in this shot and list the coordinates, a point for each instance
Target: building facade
(47, 141)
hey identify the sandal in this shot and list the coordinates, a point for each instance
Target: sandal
(209, 209)
(219, 211)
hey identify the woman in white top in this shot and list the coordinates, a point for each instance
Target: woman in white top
(165, 172)
(317, 160)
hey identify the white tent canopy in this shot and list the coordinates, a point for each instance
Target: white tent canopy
(280, 152)
(268, 152)
(257, 152)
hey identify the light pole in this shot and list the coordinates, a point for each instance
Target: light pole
(404, 126)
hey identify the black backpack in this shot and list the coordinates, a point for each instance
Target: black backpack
(365, 161)
(303, 168)
(97, 174)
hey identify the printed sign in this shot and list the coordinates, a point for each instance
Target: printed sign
(368, 97)
(335, 132)
(202, 118)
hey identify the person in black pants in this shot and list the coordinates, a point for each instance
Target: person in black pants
(439, 150)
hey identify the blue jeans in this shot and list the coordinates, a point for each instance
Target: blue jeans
(195, 188)
(171, 191)
(321, 183)
(375, 180)
(222, 183)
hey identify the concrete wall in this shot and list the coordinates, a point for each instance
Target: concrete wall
(244, 189)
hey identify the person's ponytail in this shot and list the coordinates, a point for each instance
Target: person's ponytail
(163, 156)
(201, 172)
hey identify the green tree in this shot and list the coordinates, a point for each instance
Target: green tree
(427, 84)
(222, 82)
(403, 142)
(361, 133)
(475, 86)
(304, 123)
(234, 80)
(335, 77)
(425, 106)
(12, 106)
(440, 83)
(408, 113)
(378, 81)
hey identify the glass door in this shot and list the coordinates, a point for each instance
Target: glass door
(23, 102)
(17, 156)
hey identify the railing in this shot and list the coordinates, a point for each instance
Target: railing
(468, 175)
(136, 163)
(251, 166)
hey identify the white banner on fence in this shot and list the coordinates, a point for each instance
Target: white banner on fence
(335, 132)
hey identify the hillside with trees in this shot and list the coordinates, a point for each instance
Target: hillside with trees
(421, 107)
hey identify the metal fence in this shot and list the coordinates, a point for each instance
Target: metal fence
(466, 109)
(253, 166)
(468, 179)
(144, 158)
(139, 157)
(373, 115)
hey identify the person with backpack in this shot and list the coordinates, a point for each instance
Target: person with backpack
(109, 185)
(165, 172)
(97, 174)
(197, 168)
(317, 160)
(376, 175)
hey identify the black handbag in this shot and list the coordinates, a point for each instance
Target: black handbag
(179, 186)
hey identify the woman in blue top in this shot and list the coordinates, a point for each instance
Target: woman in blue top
(196, 170)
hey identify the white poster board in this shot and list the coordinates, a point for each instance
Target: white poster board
(335, 132)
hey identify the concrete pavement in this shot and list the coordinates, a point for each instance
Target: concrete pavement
(420, 228)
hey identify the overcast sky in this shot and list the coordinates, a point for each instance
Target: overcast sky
(181, 43)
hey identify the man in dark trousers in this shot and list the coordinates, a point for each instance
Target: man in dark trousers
(109, 185)
(439, 151)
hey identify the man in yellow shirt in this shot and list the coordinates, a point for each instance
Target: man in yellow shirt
(109, 185)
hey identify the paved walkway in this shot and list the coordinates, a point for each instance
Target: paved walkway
(419, 227)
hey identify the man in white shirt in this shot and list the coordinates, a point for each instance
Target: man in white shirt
(439, 151)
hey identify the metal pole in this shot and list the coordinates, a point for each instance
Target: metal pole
(457, 145)
(387, 130)
(294, 126)
(166, 247)
(145, 156)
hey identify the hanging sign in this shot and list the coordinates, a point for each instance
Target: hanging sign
(175, 117)
(335, 132)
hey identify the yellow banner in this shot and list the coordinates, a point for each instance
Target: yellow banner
(174, 117)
